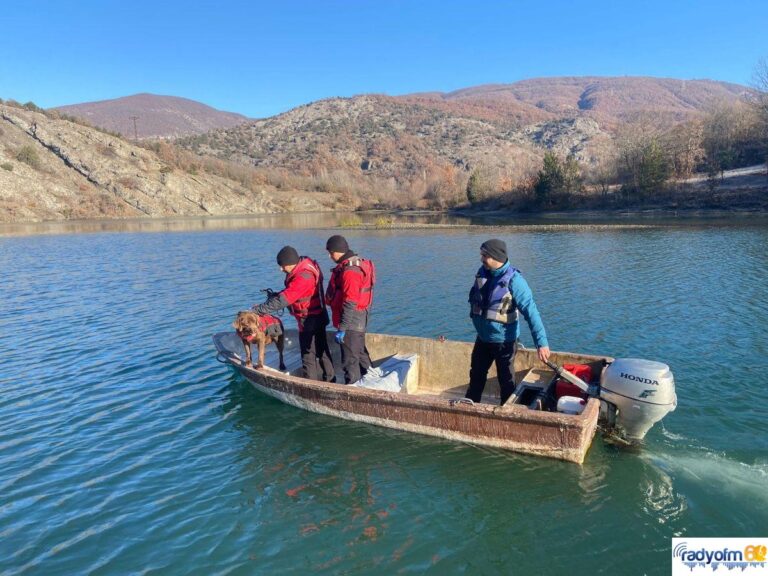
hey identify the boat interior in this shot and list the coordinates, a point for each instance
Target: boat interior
(441, 367)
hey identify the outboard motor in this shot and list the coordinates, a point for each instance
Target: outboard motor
(638, 394)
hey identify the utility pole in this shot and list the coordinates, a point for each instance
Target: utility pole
(135, 130)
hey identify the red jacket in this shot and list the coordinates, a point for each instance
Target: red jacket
(350, 293)
(304, 290)
(269, 325)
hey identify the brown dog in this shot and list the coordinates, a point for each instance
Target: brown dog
(261, 330)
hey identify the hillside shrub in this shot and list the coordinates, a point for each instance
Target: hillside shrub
(33, 107)
(28, 155)
(7, 166)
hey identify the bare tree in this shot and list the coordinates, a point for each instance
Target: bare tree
(732, 137)
(642, 164)
(760, 83)
(603, 173)
(684, 143)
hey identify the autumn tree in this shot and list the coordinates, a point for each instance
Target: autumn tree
(443, 188)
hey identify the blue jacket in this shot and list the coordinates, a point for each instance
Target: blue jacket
(491, 331)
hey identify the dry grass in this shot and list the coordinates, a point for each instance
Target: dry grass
(350, 221)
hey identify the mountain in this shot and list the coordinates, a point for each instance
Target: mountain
(155, 116)
(605, 99)
(53, 169)
(397, 149)
(416, 150)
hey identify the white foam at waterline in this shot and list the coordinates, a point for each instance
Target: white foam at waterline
(718, 472)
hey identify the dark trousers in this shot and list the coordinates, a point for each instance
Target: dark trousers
(315, 354)
(354, 356)
(483, 355)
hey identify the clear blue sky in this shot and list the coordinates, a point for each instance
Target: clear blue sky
(262, 58)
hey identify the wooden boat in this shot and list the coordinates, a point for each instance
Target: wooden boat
(432, 398)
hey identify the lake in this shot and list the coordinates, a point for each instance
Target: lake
(125, 448)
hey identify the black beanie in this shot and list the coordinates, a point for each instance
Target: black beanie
(337, 244)
(495, 248)
(287, 256)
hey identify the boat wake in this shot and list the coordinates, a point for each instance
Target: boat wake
(731, 477)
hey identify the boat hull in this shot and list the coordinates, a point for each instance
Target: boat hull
(513, 427)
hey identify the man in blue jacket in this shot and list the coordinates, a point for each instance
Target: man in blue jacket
(499, 292)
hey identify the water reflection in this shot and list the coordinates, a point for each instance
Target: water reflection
(376, 219)
(260, 221)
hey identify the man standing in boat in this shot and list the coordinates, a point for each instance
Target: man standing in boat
(350, 295)
(303, 296)
(499, 292)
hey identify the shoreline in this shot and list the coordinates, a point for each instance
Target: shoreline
(472, 219)
(651, 212)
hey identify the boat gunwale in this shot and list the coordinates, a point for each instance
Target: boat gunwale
(516, 412)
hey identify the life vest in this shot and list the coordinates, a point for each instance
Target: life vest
(269, 325)
(335, 296)
(369, 274)
(499, 305)
(312, 304)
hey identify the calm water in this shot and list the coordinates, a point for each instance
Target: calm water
(126, 448)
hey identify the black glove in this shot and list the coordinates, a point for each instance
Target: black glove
(258, 308)
(275, 302)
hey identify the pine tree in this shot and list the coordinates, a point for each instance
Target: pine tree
(550, 179)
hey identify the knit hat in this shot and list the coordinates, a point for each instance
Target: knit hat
(337, 244)
(495, 248)
(287, 256)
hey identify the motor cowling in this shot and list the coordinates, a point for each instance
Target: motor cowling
(643, 392)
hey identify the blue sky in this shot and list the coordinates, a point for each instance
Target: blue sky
(262, 58)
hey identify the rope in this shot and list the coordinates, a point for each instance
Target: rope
(467, 401)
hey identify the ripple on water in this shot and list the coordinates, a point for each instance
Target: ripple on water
(126, 448)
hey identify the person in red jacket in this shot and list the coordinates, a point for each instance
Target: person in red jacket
(350, 294)
(303, 296)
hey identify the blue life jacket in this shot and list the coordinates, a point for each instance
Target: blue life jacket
(494, 301)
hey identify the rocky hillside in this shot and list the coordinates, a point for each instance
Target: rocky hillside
(371, 133)
(52, 169)
(419, 141)
(155, 116)
(417, 150)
